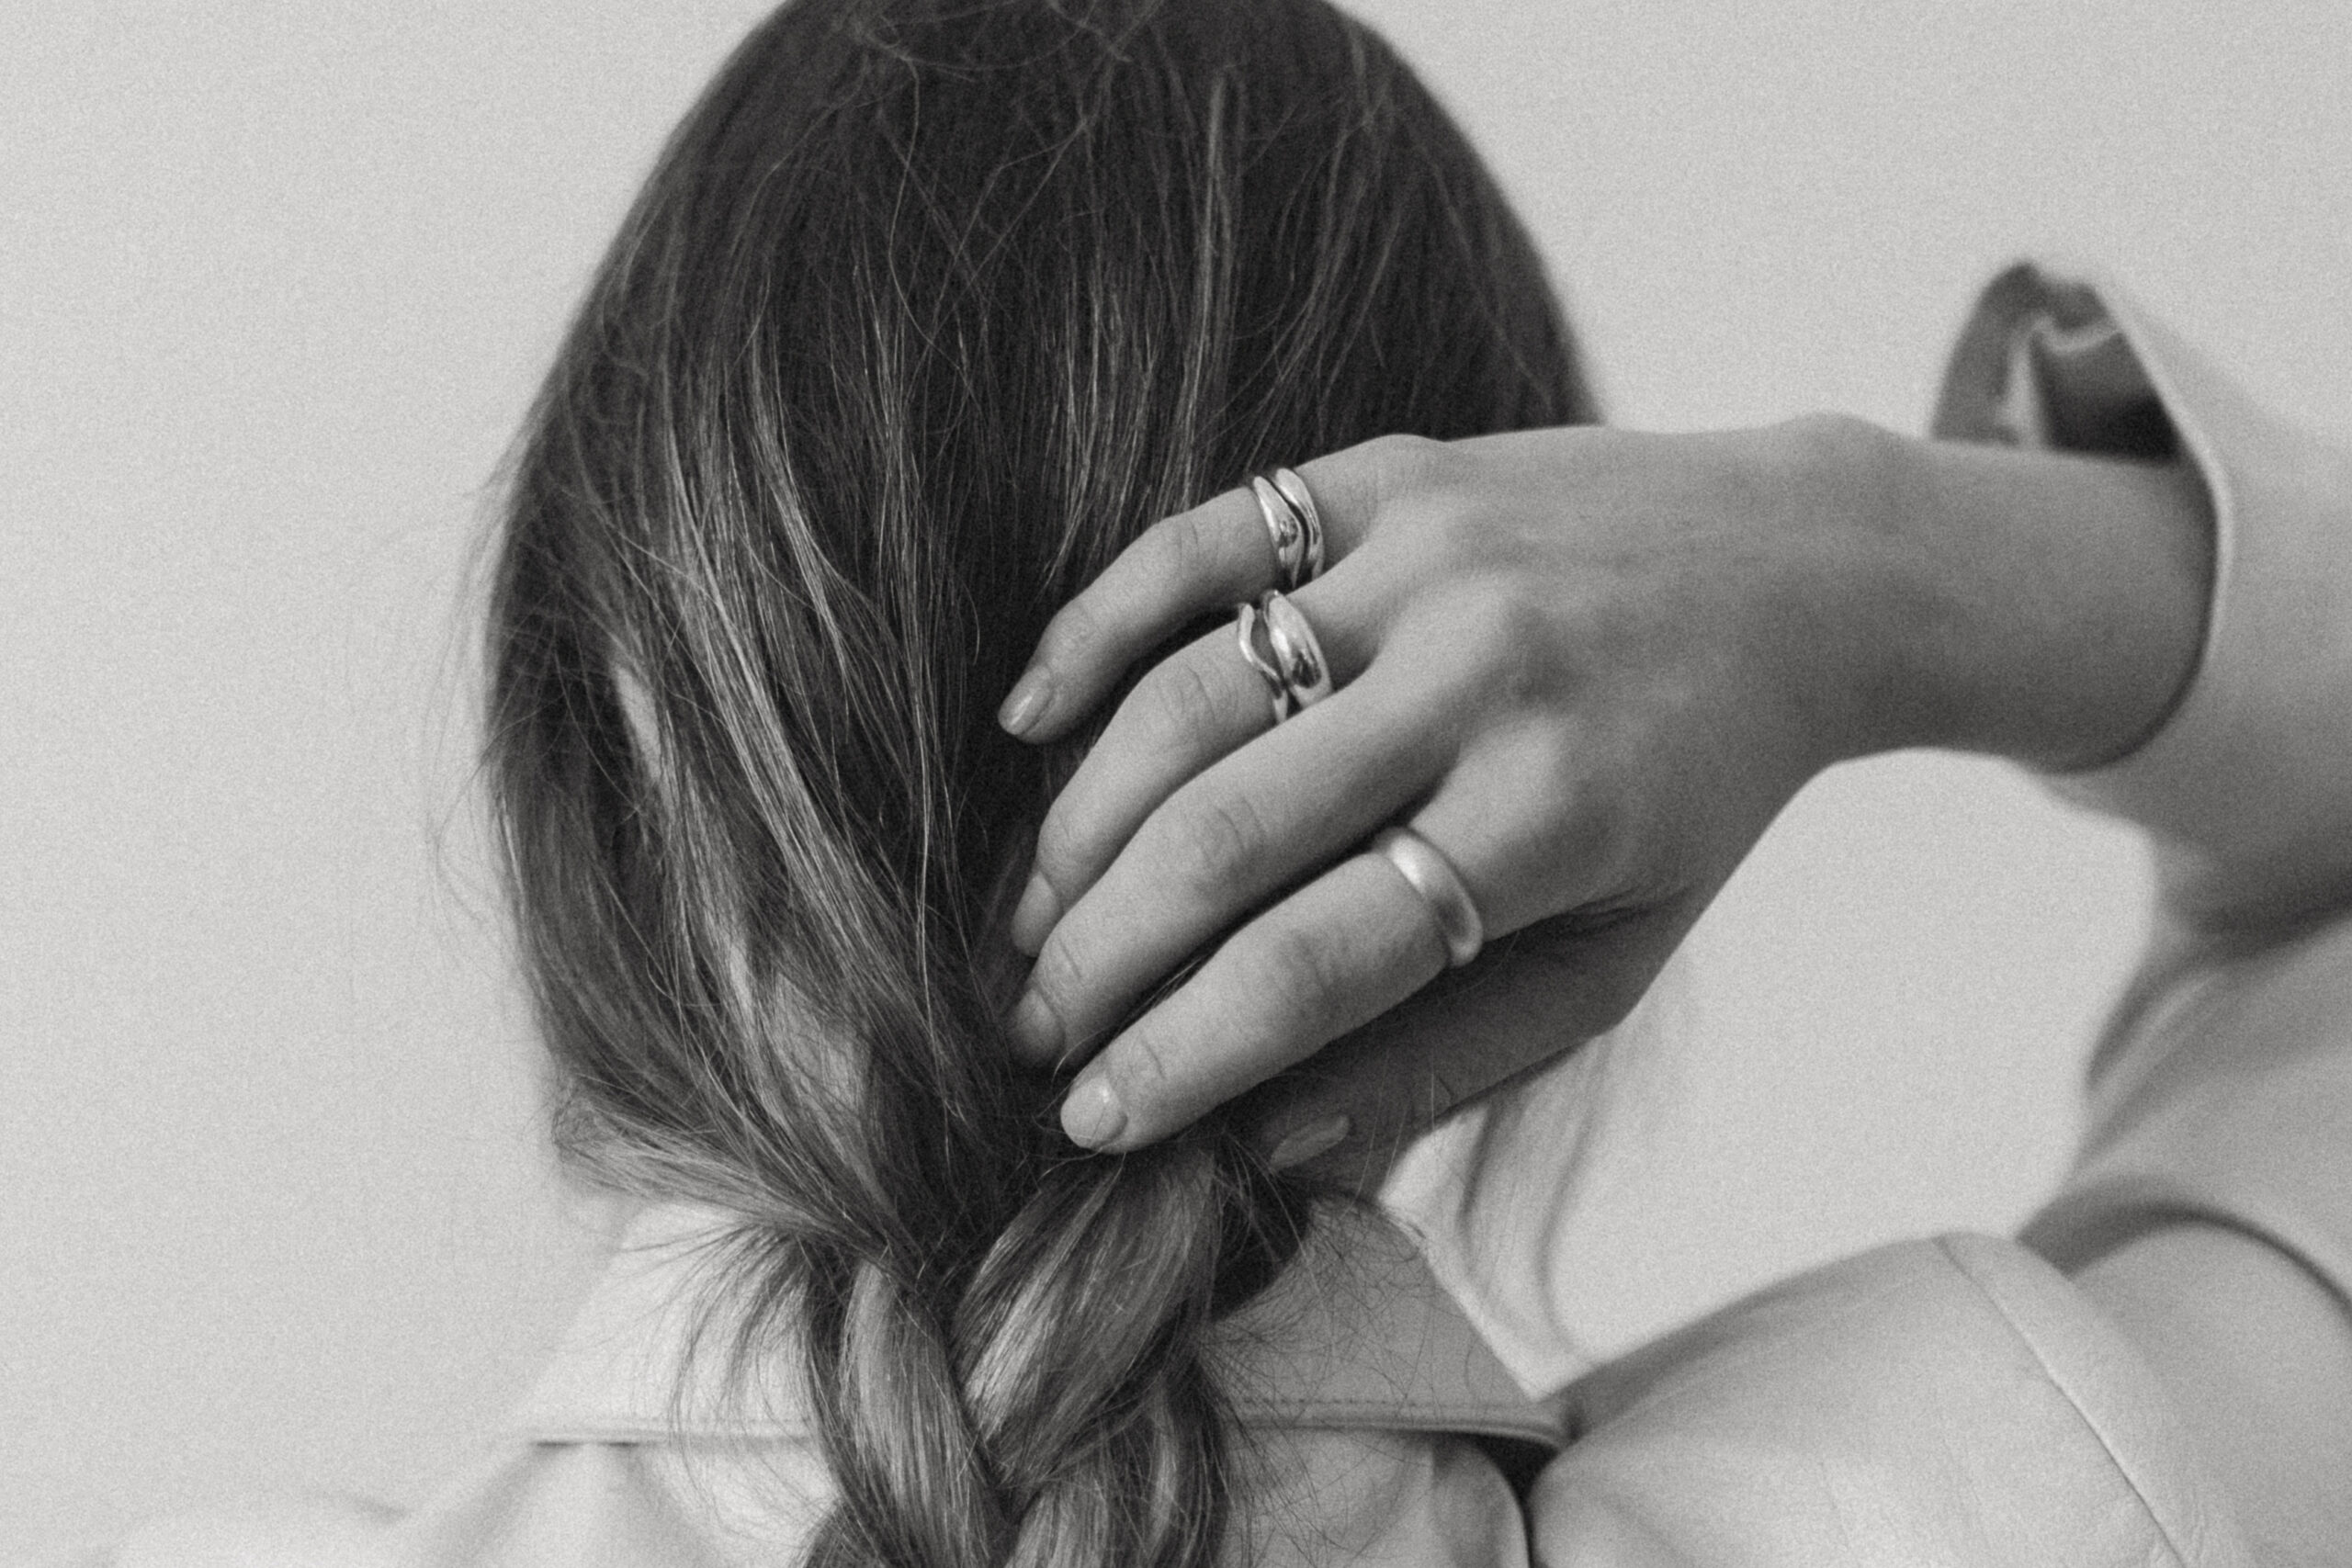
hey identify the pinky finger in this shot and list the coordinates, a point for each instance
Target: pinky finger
(1337, 952)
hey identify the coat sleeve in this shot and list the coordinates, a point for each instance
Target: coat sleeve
(2223, 1089)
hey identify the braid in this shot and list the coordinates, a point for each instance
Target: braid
(1065, 1415)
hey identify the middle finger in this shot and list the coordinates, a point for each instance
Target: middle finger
(1192, 710)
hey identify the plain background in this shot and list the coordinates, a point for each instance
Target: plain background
(275, 284)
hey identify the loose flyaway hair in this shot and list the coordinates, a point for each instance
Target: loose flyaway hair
(928, 309)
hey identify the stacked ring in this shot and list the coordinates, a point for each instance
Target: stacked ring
(1291, 663)
(1310, 520)
(1294, 526)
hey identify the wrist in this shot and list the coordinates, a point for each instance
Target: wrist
(2070, 594)
(1867, 615)
(2042, 606)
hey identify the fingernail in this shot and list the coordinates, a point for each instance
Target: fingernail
(1092, 1115)
(1035, 1028)
(1318, 1138)
(1026, 705)
(1033, 917)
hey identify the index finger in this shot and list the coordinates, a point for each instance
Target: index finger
(1215, 554)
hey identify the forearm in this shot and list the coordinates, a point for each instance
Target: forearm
(2245, 786)
(2052, 606)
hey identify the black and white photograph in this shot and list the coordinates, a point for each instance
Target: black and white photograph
(1176, 784)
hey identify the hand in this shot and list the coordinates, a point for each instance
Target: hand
(1588, 667)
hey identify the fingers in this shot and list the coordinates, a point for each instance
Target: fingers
(1345, 948)
(1192, 710)
(1189, 713)
(1217, 554)
(1253, 824)
(1183, 566)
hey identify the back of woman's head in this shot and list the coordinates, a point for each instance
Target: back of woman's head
(929, 308)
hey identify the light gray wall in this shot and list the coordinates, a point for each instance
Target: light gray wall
(276, 281)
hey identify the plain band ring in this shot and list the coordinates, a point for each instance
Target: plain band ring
(1433, 877)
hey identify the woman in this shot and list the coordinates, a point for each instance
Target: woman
(927, 310)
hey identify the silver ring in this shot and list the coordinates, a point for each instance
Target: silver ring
(1433, 877)
(1306, 676)
(1302, 501)
(1291, 663)
(1293, 528)
(1246, 619)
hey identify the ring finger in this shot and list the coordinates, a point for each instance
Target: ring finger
(1332, 956)
(1254, 823)
(1192, 710)
(1218, 553)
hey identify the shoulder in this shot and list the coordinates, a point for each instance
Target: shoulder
(1953, 1400)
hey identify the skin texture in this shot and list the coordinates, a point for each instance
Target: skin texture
(1589, 666)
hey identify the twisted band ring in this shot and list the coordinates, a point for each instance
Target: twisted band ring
(1294, 526)
(1291, 660)
(1433, 877)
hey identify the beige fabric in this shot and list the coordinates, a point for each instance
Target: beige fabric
(1944, 1401)
(1356, 1335)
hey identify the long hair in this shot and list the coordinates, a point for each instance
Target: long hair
(930, 307)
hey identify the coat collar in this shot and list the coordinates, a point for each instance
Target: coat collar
(1357, 1334)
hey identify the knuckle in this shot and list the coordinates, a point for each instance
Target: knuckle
(1143, 1069)
(1301, 975)
(1059, 849)
(1556, 765)
(1518, 637)
(1215, 842)
(1178, 698)
(1394, 470)
(1405, 461)
(1513, 615)
(1187, 550)
(1073, 636)
(1059, 975)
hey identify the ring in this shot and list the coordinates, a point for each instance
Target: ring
(1302, 501)
(1433, 877)
(1245, 633)
(1305, 674)
(1294, 526)
(1291, 663)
